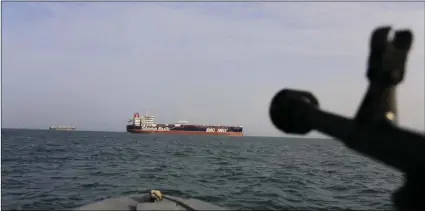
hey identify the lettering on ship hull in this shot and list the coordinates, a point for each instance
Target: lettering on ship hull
(155, 128)
(212, 130)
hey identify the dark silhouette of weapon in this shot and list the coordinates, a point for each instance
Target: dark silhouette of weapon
(374, 131)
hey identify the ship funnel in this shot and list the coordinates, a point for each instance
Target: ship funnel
(136, 115)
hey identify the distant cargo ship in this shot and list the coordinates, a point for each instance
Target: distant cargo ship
(146, 124)
(62, 128)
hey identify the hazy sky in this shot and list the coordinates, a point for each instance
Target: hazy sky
(93, 65)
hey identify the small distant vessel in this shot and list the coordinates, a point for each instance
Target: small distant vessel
(62, 128)
(145, 124)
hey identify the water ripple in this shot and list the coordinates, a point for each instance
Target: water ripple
(61, 170)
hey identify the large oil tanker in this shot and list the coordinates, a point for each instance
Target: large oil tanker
(146, 124)
(62, 128)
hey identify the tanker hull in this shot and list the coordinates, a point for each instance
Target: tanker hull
(187, 130)
(146, 125)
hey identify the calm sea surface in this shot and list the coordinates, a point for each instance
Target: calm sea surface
(47, 170)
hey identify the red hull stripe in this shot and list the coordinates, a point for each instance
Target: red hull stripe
(187, 132)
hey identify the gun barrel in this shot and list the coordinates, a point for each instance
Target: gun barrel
(399, 148)
(373, 132)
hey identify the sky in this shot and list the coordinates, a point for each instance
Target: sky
(93, 65)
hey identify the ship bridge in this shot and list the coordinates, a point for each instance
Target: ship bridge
(145, 120)
(148, 120)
